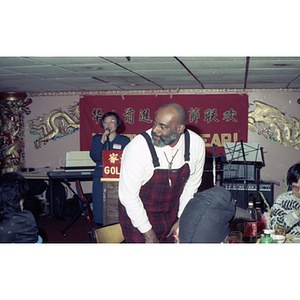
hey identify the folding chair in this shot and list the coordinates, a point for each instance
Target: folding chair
(107, 234)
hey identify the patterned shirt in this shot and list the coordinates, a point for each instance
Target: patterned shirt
(283, 212)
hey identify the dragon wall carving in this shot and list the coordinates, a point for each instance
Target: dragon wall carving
(271, 123)
(12, 107)
(54, 125)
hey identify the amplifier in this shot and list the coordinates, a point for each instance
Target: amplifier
(239, 172)
(243, 192)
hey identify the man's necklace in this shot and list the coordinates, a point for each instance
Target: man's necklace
(170, 166)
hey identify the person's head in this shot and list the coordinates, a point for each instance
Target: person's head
(169, 124)
(13, 189)
(293, 179)
(111, 120)
(207, 216)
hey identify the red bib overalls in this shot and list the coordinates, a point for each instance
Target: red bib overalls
(161, 201)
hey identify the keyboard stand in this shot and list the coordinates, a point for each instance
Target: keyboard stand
(84, 206)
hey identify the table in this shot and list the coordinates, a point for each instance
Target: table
(288, 236)
(39, 176)
(287, 241)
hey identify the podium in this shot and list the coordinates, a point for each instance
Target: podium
(110, 202)
(111, 160)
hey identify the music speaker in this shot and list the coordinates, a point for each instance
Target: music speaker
(245, 192)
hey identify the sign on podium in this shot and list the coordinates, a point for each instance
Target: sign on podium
(111, 160)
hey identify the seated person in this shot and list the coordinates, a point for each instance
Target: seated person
(286, 208)
(207, 216)
(16, 225)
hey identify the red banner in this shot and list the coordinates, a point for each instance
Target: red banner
(217, 118)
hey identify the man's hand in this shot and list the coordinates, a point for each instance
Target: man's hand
(150, 236)
(175, 231)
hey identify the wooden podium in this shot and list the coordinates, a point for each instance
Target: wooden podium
(110, 202)
(111, 170)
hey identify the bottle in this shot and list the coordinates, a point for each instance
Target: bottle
(266, 239)
(250, 224)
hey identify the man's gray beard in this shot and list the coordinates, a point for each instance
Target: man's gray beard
(164, 141)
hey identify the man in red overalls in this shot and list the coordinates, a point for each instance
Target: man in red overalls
(161, 170)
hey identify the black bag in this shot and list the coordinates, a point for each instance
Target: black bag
(32, 201)
(59, 199)
(72, 206)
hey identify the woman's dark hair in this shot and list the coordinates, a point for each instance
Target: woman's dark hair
(111, 113)
(293, 174)
(13, 188)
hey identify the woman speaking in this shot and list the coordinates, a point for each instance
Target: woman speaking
(109, 140)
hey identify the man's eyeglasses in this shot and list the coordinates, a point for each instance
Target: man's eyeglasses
(295, 188)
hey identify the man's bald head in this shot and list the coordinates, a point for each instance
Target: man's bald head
(177, 110)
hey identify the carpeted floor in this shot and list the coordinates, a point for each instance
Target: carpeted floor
(51, 227)
(50, 230)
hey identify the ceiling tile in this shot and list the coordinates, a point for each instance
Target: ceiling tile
(51, 74)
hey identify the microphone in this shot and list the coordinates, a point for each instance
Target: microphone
(107, 139)
(108, 132)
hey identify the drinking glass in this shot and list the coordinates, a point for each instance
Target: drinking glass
(279, 229)
(233, 237)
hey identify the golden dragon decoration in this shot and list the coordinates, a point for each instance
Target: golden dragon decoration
(54, 125)
(271, 123)
(12, 109)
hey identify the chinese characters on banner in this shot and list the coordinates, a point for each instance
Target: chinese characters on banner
(217, 118)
